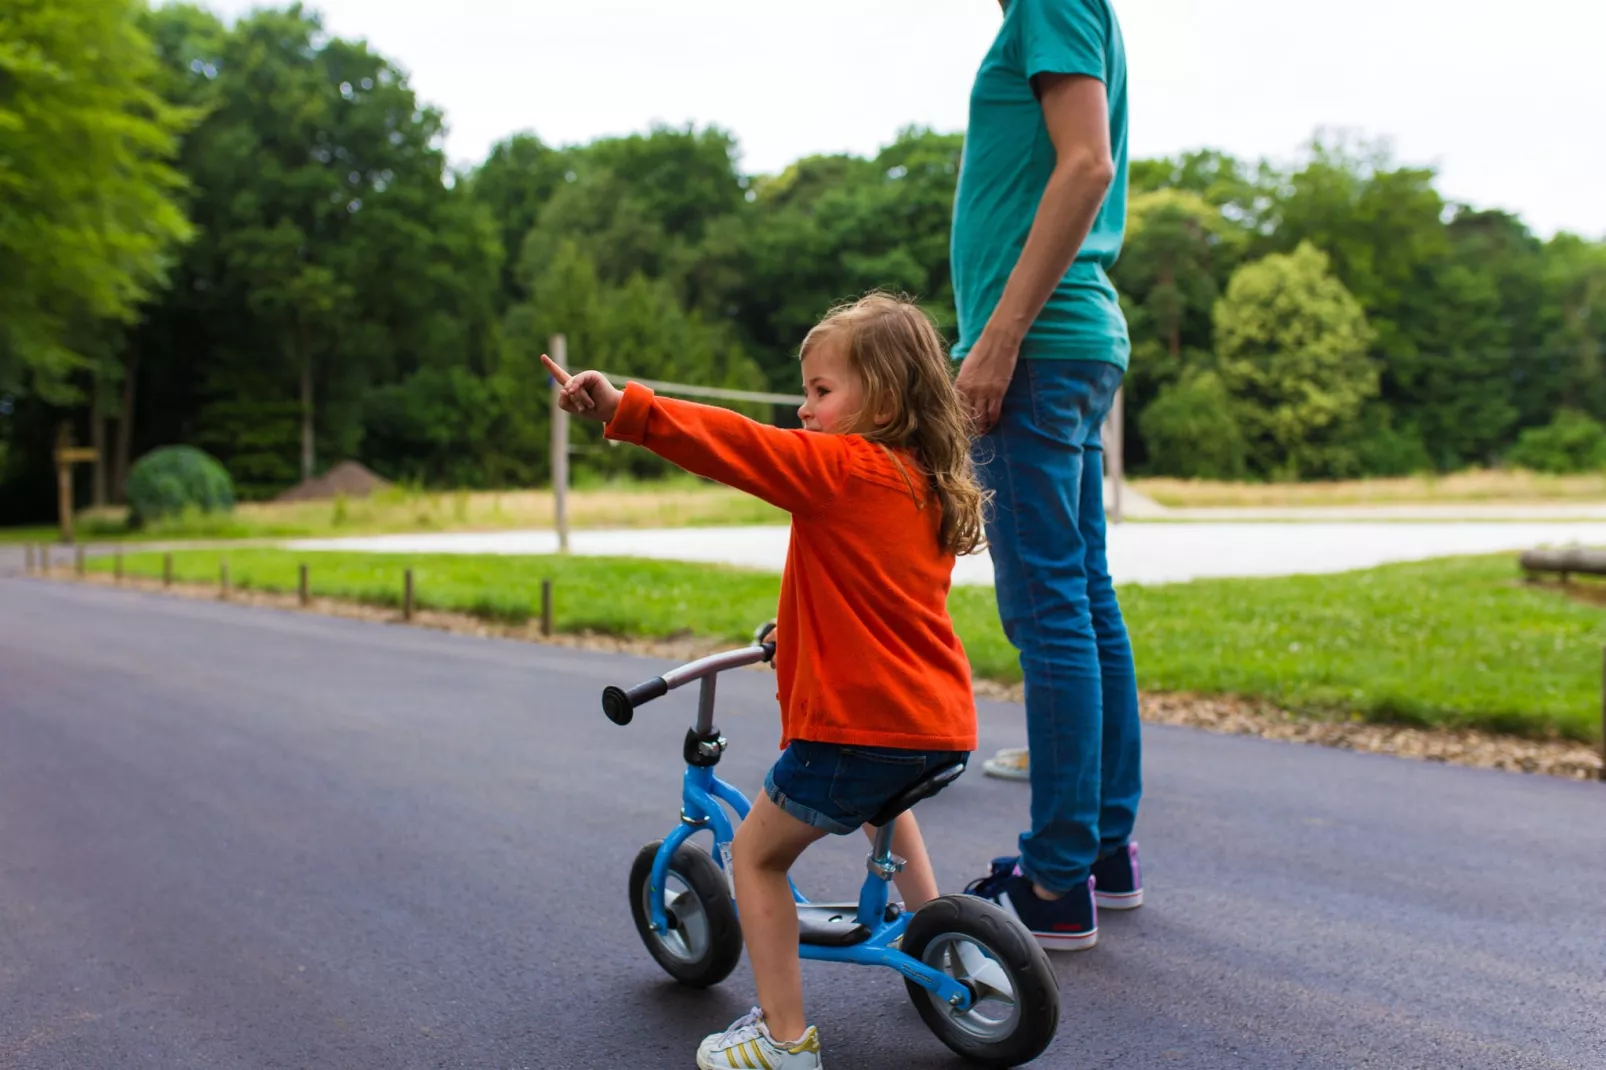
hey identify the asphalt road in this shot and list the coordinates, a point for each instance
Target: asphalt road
(233, 837)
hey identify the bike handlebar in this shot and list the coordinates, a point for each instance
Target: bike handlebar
(620, 704)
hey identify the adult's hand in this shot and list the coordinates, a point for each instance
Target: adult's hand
(984, 376)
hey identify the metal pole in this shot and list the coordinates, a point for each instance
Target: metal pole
(78, 561)
(167, 570)
(223, 580)
(546, 607)
(560, 451)
(28, 550)
(407, 597)
(117, 566)
(304, 592)
(1602, 773)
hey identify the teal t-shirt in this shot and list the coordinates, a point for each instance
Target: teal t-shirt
(1007, 160)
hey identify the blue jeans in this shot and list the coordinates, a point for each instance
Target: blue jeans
(1044, 464)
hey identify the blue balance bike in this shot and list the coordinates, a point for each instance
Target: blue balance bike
(975, 974)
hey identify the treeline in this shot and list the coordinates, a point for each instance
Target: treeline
(246, 237)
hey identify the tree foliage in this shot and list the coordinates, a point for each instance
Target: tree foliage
(88, 215)
(243, 236)
(1291, 346)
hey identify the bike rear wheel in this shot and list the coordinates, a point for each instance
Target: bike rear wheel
(1016, 1007)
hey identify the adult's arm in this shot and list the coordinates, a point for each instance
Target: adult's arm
(1077, 116)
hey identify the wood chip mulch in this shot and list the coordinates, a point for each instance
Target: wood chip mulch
(1213, 713)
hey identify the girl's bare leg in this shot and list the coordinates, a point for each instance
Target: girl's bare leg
(917, 883)
(766, 845)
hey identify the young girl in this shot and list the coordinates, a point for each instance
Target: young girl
(874, 685)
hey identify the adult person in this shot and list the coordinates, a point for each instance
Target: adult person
(1038, 219)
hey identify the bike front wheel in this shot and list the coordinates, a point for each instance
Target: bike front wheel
(703, 941)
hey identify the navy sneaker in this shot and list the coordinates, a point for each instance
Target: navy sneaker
(1070, 923)
(1117, 880)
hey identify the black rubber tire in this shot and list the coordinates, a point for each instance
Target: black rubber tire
(707, 882)
(1037, 992)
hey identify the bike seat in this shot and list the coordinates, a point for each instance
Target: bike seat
(927, 786)
(830, 925)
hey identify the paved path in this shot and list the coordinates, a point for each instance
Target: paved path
(1139, 553)
(240, 838)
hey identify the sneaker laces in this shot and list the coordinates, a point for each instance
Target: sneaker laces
(987, 887)
(744, 1028)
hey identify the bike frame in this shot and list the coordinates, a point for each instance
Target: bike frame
(702, 792)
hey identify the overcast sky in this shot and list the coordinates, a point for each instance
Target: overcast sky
(1507, 99)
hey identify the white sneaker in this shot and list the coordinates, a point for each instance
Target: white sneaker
(1011, 763)
(747, 1045)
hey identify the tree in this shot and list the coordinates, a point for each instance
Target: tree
(826, 230)
(87, 194)
(1569, 366)
(635, 329)
(1168, 266)
(514, 183)
(1191, 431)
(1429, 291)
(334, 256)
(1291, 344)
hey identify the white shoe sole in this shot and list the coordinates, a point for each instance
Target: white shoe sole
(1004, 770)
(1060, 942)
(1118, 900)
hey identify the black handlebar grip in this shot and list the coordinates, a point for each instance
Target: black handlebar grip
(620, 705)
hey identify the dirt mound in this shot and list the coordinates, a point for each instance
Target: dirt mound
(348, 479)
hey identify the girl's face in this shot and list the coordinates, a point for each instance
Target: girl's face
(833, 392)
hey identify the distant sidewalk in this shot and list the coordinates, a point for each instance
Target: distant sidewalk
(1139, 553)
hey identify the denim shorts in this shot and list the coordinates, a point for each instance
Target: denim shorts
(837, 788)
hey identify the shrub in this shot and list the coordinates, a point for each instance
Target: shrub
(1572, 442)
(173, 479)
(1190, 431)
(1387, 450)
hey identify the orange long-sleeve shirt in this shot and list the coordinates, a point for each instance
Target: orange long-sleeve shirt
(868, 653)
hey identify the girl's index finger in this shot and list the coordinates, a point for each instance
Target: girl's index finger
(558, 373)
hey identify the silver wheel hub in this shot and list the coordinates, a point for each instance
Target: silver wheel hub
(686, 939)
(995, 1012)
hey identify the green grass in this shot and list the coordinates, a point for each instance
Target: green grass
(1457, 641)
(676, 501)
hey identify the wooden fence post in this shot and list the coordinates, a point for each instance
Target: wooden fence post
(546, 607)
(407, 597)
(304, 592)
(1602, 773)
(44, 558)
(167, 570)
(223, 579)
(78, 560)
(117, 566)
(28, 551)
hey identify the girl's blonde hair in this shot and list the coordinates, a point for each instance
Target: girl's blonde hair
(910, 403)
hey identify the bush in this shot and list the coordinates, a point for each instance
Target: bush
(1572, 442)
(1190, 432)
(1386, 450)
(171, 480)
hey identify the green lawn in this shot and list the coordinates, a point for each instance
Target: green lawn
(1454, 641)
